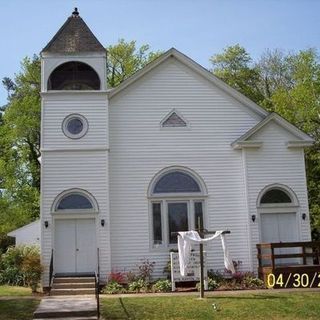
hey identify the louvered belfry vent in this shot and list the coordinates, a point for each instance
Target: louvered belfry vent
(174, 120)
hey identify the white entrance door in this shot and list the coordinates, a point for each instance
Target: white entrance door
(280, 227)
(75, 246)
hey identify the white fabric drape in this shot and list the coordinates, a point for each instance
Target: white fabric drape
(185, 239)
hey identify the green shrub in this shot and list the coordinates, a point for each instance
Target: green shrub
(12, 276)
(162, 286)
(113, 287)
(215, 275)
(32, 269)
(5, 242)
(21, 265)
(138, 286)
(212, 284)
(250, 281)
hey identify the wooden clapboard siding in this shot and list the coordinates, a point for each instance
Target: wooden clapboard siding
(275, 163)
(57, 106)
(84, 170)
(139, 149)
(80, 163)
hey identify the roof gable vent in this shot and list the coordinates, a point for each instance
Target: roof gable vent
(173, 119)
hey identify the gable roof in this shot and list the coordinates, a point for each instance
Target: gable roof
(13, 233)
(303, 140)
(198, 69)
(74, 37)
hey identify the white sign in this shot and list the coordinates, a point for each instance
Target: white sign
(193, 269)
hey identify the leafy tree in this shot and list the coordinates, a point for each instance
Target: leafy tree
(124, 59)
(19, 142)
(274, 70)
(234, 66)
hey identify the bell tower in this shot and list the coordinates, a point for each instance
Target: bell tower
(74, 153)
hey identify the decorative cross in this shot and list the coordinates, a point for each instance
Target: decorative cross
(202, 233)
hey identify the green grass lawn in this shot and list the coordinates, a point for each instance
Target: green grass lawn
(272, 305)
(18, 309)
(14, 291)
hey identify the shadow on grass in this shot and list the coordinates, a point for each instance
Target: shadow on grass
(253, 297)
(125, 310)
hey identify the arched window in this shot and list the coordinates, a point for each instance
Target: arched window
(75, 201)
(74, 75)
(176, 182)
(177, 204)
(275, 196)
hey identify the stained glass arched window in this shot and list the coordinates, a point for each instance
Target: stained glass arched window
(75, 200)
(176, 182)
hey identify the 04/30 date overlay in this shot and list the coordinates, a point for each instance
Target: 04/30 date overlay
(293, 280)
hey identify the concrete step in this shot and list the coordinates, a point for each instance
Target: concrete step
(73, 279)
(69, 292)
(75, 285)
(67, 308)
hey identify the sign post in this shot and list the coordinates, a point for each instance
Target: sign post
(193, 270)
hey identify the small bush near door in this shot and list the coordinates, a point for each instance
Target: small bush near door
(21, 266)
(162, 286)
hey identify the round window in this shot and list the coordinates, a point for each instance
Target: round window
(75, 126)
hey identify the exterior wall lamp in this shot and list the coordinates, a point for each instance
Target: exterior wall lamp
(102, 222)
(304, 216)
(253, 218)
(46, 224)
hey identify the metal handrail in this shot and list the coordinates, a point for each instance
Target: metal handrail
(51, 270)
(97, 280)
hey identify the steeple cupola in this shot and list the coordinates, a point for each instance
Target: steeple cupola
(74, 59)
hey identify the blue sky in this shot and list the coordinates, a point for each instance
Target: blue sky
(198, 28)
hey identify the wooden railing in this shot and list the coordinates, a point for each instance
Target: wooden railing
(309, 249)
(289, 264)
(97, 282)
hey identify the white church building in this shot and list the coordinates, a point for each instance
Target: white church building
(124, 167)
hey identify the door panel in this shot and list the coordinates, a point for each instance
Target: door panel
(86, 246)
(65, 246)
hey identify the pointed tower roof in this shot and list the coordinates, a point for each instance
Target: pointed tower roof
(74, 37)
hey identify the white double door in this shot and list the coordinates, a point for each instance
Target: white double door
(280, 227)
(75, 249)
